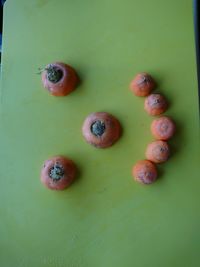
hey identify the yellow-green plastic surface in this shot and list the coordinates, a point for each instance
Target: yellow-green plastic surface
(104, 219)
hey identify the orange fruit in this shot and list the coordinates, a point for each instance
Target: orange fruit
(145, 172)
(158, 151)
(59, 79)
(58, 173)
(101, 129)
(163, 128)
(142, 84)
(155, 104)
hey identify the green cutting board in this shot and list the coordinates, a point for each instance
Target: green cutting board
(104, 219)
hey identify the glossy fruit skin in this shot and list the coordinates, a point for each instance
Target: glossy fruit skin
(158, 151)
(65, 85)
(163, 128)
(142, 84)
(144, 172)
(111, 134)
(66, 180)
(155, 104)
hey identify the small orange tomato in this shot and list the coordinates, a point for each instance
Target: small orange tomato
(59, 79)
(142, 84)
(155, 104)
(158, 151)
(58, 173)
(163, 128)
(101, 129)
(144, 172)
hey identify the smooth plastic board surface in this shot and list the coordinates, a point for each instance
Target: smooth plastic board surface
(104, 219)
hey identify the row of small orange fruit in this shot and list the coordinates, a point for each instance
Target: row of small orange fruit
(162, 128)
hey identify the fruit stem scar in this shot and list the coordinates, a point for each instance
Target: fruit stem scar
(143, 80)
(54, 74)
(56, 172)
(98, 128)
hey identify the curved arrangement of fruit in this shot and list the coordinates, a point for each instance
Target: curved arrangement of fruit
(162, 128)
